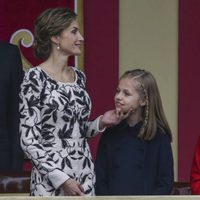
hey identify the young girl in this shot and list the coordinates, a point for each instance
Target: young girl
(135, 157)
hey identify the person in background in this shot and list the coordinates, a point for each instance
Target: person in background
(195, 171)
(55, 108)
(10, 79)
(135, 156)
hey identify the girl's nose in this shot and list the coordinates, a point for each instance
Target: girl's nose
(118, 95)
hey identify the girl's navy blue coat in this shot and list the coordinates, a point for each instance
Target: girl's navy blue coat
(127, 165)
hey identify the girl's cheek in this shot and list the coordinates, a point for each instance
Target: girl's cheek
(124, 110)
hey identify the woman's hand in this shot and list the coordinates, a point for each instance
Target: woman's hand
(112, 117)
(72, 188)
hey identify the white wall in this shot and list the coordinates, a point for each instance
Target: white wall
(149, 39)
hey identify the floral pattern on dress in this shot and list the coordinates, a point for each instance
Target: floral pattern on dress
(54, 129)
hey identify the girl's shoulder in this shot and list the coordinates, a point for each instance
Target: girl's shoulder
(162, 135)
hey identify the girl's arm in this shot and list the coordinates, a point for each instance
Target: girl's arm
(101, 168)
(165, 176)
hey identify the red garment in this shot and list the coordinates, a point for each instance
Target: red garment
(195, 171)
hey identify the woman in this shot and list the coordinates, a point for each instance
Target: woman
(55, 108)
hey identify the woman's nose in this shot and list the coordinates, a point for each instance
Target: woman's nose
(81, 37)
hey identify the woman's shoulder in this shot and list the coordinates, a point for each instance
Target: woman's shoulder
(80, 77)
(34, 74)
(35, 70)
(79, 73)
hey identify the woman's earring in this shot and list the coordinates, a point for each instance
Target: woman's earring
(58, 47)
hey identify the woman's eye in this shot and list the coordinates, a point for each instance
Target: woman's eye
(74, 32)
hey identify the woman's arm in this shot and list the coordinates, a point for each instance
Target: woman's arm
(30, 129)
(108, 119)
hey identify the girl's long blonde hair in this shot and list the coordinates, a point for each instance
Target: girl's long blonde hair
(153, 113)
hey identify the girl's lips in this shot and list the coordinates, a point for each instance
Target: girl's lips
(117, 104)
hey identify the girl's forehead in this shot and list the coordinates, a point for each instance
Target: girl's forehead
(131, 83)
(128, 82)
(131, 80)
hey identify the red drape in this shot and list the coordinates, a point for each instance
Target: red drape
(101, 30)
(189, 93)
(20, 15)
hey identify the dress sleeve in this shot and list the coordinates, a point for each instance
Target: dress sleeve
(93, 128)
(195, 171)
(30, 129)
(165, 177)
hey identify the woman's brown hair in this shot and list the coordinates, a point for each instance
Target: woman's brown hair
(50, 23)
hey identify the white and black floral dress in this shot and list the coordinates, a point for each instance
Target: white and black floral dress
(54, 129)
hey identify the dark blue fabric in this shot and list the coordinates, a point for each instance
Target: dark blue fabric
(10, 79)
(127, 165)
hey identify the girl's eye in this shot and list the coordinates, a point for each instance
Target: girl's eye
(127, 94)
(117, 91)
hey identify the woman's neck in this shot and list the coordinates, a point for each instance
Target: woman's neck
(58, 70)
(56, 64)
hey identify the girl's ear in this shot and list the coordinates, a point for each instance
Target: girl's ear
(142, 102)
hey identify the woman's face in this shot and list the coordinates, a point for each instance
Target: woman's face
(70, 39)
(127, 97)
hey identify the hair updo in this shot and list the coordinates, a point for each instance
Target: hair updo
(50, 23)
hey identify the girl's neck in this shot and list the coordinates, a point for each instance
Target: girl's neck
(132, 123)
(134, 118)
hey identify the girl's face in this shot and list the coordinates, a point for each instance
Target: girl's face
(127, 97)
(70, 39)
